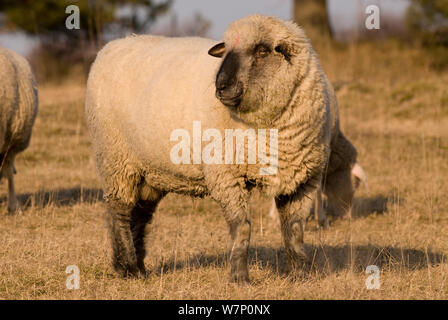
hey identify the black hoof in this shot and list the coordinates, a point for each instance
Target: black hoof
(130, 271)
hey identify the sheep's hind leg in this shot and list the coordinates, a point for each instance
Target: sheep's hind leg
(293, 210)
(124, 254)
(141, 215)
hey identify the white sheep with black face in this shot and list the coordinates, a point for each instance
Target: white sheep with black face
(264, 75)
(18, 109)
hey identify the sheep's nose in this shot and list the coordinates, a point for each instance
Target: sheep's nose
(226, 77)
(224, 86)
(221, 86)
(224, 80)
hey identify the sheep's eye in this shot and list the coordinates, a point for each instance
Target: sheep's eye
(261, 51)
(283, 50)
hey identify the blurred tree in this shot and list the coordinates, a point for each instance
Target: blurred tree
(312, 15)
(428, 20)
(46, 20)
(2, 21)
(196, 26)
(428, 23)
(142, 13)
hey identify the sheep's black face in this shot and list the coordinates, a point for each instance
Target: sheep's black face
(228, 89)
(255, 80)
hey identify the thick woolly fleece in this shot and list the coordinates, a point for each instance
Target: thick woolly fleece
(18, 105)
(141, 88)
(342, 175)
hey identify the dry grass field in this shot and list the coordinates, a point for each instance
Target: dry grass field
(394, 108)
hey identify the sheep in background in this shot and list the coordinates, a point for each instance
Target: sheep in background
(142, 88)
(342, 176)
(340, 196)
(18, 105)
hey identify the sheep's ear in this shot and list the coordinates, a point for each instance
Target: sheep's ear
(359, 173)
(218, 50)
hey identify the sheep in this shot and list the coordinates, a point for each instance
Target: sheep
(264, 75)
(18, 103)
(343, 174)
(340, 199)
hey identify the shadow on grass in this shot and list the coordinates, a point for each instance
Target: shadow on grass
(365, 206)
(323, 260)
(66, 197)
(60, 197)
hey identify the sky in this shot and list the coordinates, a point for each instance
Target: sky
(17, 41)
(342, 13)
(222, 12)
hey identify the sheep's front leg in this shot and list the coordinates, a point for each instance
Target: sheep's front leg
(320, 213)
(240, 229)
(293, 210)
(13, 203)
(232, 195)
(124, 253)
(235, 209)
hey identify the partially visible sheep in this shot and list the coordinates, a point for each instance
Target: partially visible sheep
(18, 109)
(143, 88)
(342, 174)
(340, 196)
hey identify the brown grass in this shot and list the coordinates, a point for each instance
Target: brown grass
(393, 107)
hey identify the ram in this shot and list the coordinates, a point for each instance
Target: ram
(264, 75)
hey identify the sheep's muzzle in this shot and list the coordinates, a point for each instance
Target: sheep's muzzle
(228, 89)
